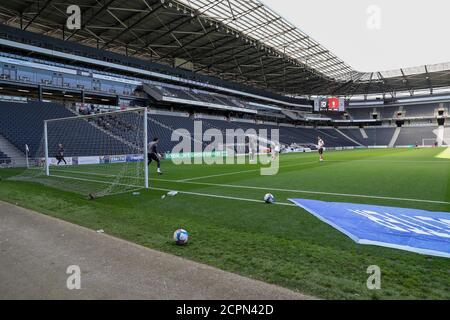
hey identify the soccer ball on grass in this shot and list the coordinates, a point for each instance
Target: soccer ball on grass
(181, 237)
(269, 198)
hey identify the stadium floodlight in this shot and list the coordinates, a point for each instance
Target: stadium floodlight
(95, 155)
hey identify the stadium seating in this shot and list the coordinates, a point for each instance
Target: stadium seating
(389, 112)
(24, 124)
(163, 126)
(159, 91)
(375, 136)
(51, 43)
(4, 159)
(415, 135)
(424, 110)
(360, 113)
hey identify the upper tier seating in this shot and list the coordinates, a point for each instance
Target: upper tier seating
(409, 111)
(360, 113)
(426, 110)
(160, 91)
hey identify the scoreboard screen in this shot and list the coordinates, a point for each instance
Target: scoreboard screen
(329, 104)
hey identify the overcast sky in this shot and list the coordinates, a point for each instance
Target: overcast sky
(409, 33)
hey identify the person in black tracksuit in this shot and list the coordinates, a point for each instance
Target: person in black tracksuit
(153, 154)
(60, 155)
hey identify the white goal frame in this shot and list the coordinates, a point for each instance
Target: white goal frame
(145, 137)
(425, 140)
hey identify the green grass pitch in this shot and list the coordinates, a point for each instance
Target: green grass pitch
(232, 229)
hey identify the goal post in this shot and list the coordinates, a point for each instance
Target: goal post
(97, 155)
(47, 163)
(429, 142)
(146, 148)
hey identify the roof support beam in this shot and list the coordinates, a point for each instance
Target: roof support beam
(251, 59)
(428, 79)
(92, 17)
(406, 82)
(225, 60)
(175, 52)
(214, 52)
(46, 4)
(131, 26)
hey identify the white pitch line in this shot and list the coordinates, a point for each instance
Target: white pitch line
(245, 171)
(180, 192)
(304, 163)
(218, 175)
(316, 192)
(392, 161)
(349, 195)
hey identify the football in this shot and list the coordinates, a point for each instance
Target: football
(181, 237)
(269, 198)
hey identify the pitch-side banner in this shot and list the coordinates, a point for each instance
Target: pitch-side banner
(419, 231)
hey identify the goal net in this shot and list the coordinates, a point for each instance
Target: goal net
(94, 155)
(429, 142)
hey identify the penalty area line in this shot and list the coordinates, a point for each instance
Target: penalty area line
(347, 195)
(180, 192)
(245, 171)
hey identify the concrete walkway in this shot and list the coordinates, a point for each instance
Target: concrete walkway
(36, 250)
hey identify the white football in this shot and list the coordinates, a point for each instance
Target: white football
(181, 237)
(269, 198)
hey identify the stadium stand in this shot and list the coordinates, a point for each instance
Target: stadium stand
(419, 111)
(360, 113)
(288, 135)
(387, 112)
(375, 136)
(4, 160)
(23, 123)
(164, 92)
(425, 110)
(414, 135)
(160, 70)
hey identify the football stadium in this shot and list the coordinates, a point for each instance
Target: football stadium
(213, 150)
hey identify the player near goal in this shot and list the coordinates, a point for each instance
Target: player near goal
(60, 154)
(320, 145)
(153, 154)
(252, 148)
(275, 150)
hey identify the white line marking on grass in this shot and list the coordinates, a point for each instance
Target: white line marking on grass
(180, 192)
(349, 195)
(314, 192)
(218, 175)
(245, 171)
(306, 163)
(391, 161)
